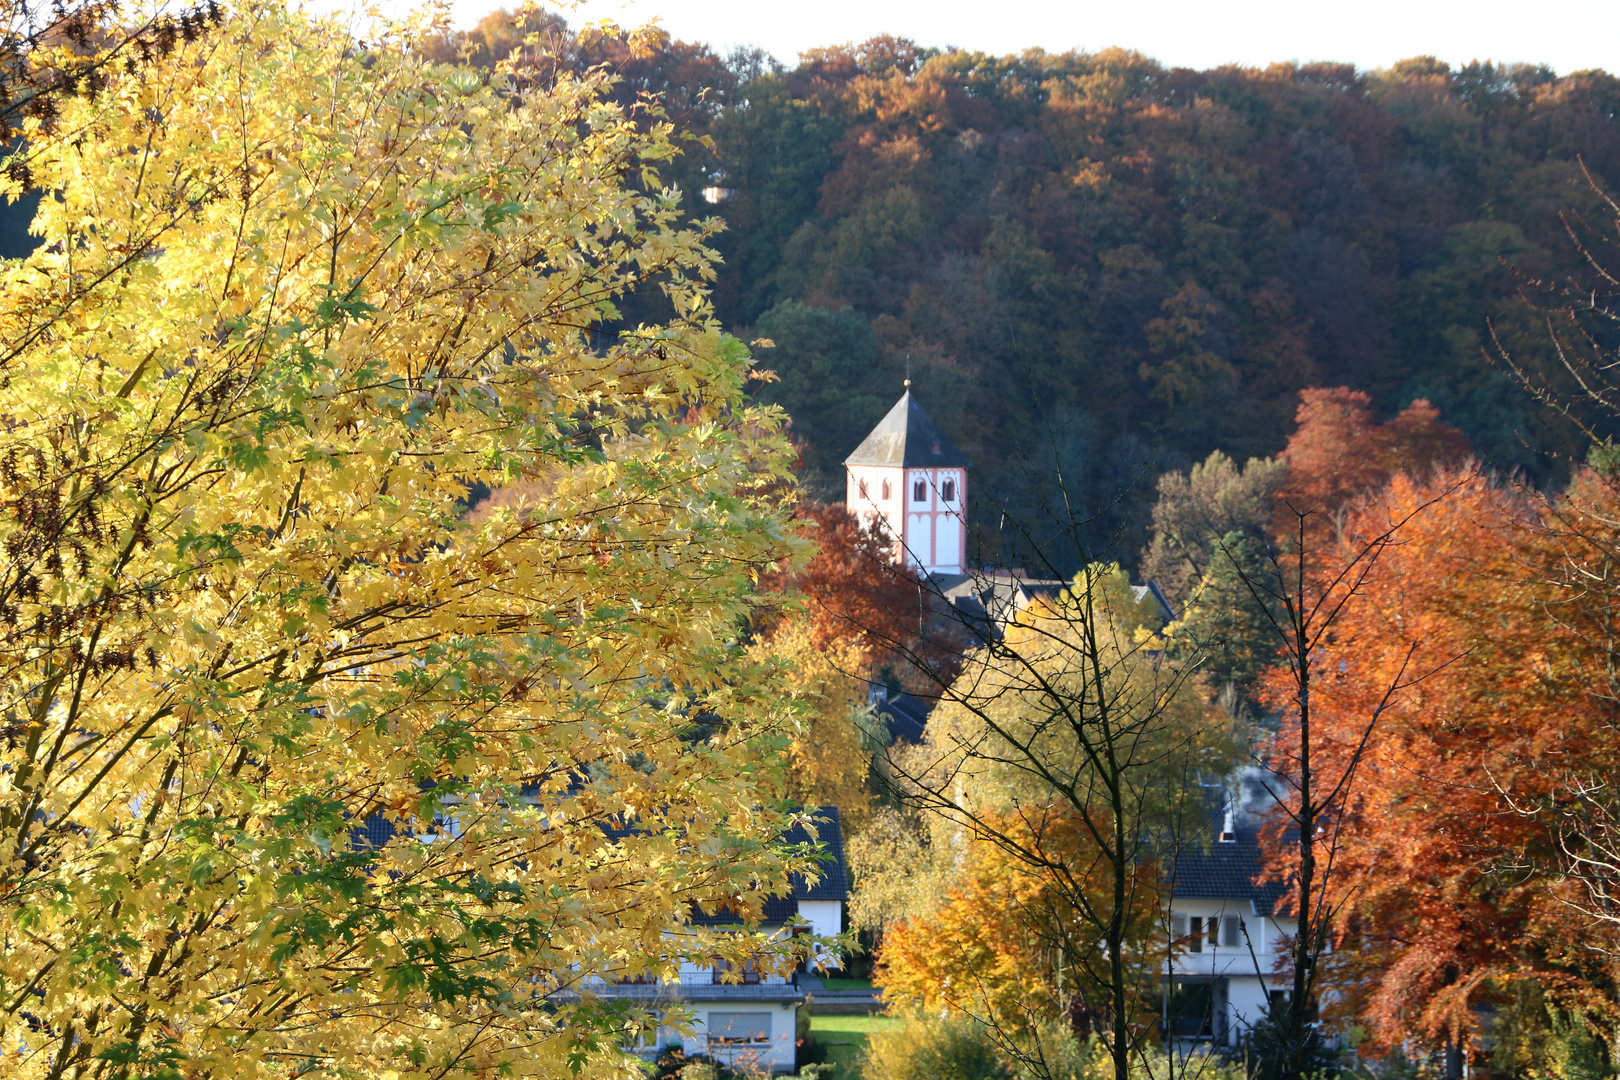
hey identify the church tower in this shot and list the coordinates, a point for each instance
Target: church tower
(908, 475)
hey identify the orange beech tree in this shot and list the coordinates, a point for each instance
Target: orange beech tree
(1338, 452)
(1445, 896)
(852, 589)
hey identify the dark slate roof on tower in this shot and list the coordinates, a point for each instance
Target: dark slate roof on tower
(907, 437)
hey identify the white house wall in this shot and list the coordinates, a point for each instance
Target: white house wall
(1249, 976)
(826, 919)
(873, 506)
(775, 1056)
(929, 533)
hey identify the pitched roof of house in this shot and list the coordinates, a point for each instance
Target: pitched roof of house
(1225, 871)
(1167, 614)
(905, 716)
(992, 597)
(834, 881)
(833, 884)
(907, 437)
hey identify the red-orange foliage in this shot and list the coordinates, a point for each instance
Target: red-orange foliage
(1449, 894)
(853, 590)
(1337, 452)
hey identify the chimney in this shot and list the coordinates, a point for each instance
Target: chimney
(1229, 826)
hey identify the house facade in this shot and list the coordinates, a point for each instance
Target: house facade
(1224, 973)
(745, 1018)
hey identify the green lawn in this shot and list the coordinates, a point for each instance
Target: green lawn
(845, 984)
(845, 1036)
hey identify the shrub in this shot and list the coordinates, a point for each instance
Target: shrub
(933, 1049)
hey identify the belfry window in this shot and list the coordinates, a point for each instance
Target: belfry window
(919, 491)
(887, 494)
(947, 491)
(863, 489)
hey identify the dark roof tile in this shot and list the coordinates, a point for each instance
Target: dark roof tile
(907, 437)
(1225, 871)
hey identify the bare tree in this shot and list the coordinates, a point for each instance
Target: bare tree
(1303, 597)
(1581, 806)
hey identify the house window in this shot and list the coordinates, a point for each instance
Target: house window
(739, 1029)
(640, 1038)
(862, 489)
(1232, 932)
(1195, 938)
(887, 494)
(919, 491)
(947, 491)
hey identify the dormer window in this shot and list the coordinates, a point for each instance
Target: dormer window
(947, 491)
(887, 494)
(863, 489)
(919, 491)
(936, 446)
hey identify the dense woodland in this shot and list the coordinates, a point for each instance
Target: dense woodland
(1093, 262)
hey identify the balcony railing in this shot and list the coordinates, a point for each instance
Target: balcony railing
(693, 985)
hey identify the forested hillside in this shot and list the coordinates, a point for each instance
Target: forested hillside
(1138, 253)
(1090, 260)
(1093, 263)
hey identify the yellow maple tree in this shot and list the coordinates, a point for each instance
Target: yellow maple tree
(831, 753)
(304, 770)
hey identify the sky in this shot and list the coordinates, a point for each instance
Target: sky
(1567, 35)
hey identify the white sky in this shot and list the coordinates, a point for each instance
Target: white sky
(1567, 34)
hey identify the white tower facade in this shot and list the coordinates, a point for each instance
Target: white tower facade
(907, 475)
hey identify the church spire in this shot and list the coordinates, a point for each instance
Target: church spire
(908, 476)
(908, 437)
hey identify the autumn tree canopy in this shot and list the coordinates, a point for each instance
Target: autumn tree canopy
(300, 767)
(1003, 943)
(1337, 450)
(1447, 863)
(1068, 745)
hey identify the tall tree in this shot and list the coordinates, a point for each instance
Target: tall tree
(1067, 744)
(1197, 509)
(1338, 452)
(1449, 897)
(1001, 945)
(853, 592)
(304, 770)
